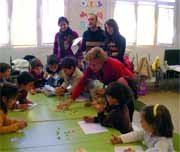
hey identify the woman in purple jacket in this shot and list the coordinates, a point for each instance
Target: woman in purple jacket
(64, 39)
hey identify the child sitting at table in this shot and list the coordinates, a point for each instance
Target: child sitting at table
(37, 72)
(25, 84)
(7, 100)
(52, 71)
(157, 130)
(71, 75)
(117, 96)
(4, 73)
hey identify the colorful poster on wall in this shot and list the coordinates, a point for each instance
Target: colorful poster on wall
(90, 7)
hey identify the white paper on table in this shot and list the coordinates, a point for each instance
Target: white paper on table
(122, 148)
(30, 106)
(49, 88)
(82, 98)
(91, 128)
(18, 110)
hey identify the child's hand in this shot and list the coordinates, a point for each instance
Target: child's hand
(22, 124)
(65, 105)
(88, 119)
(33, 91)
(129, 150)
(94, 102)
(99, 107)
(115, 140)
(60, 91)
(62, 106)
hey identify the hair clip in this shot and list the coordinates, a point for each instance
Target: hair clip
(155, 110)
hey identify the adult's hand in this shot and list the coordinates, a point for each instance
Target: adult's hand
(65, 105)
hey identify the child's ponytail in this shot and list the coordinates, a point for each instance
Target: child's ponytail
(158, 116)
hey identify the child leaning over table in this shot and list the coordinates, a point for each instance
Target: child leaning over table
(52, 71)
(71, 75)
(4, 73)
(157, 130)
(117, 96)
(37, 72)
(8, 94)
(25, 84)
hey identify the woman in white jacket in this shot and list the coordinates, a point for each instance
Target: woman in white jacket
(157, 130)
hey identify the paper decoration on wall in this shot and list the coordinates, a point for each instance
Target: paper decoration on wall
(99, 3)
(90, 7)
(91, 3)
(84, 3)
(83, 14)
(83, 25)
(91, 12)
(99, 15)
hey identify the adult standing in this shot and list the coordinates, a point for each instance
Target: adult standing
(93, 36)
(64, 39)
(115, 42)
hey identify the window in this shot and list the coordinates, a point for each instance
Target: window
(4, 31)
(127, 23)
(29, 22)
(143, 22)
(165, 23)
(51, 11)
(23, 23)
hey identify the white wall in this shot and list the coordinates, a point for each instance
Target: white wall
(178, 23)
(42, 53)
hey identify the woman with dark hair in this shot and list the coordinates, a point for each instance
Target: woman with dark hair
(115, 42)
(64, 39)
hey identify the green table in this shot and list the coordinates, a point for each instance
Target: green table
(55, 131)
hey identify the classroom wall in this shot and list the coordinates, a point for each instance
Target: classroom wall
(15, 53)
(42, 53)
(178, 23)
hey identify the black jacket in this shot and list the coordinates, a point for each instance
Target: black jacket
(117, 117)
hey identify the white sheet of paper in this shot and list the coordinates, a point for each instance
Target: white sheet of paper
(18, 110)
(74, 49)
(49, 88)
(75, 46)
(81, 98)
(30, 106)
(91, 128)
(122, 148)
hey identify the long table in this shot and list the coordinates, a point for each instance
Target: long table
(51, 131)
